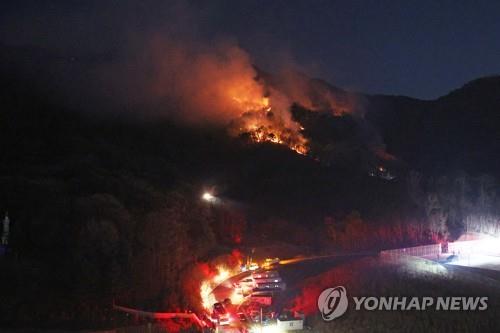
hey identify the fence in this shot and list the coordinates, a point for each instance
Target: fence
(147, 328)
(432, 250)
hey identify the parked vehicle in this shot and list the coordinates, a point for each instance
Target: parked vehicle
(268, 280)
(275, 286)
(220, 314)
(270, 261)
(265, 275)
(242, 317)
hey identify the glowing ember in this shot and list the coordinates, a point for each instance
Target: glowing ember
(260, 123)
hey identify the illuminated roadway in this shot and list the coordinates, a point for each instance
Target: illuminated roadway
(292, 272)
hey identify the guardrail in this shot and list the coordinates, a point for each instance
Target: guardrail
(161, 315)
(147, 328)
(416, 251)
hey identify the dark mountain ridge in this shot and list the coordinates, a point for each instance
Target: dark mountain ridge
(457, 131)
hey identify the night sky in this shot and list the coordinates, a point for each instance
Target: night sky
(422, 49)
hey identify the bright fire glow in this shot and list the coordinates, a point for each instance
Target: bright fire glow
(221, 86)
(207, 286)
(260, 123)
(222, 275)
(236, 298)
(207, 297)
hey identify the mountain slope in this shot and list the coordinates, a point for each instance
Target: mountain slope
(457, 131)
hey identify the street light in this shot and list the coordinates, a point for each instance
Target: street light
(207, 196)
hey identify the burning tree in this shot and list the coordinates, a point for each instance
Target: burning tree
(263, 125)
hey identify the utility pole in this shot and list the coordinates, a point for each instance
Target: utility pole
(261, 320)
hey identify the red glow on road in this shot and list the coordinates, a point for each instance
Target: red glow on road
(310, 289)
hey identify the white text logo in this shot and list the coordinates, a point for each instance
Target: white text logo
(332, 303)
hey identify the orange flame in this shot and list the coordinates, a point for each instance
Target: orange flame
(207, 298)
(220, 86)
(261, 124)
(207, 286)
(222, 276)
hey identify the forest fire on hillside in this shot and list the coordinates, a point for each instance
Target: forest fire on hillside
(222, 87)
(260, 123)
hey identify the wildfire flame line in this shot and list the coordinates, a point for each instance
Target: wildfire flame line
(261, 124)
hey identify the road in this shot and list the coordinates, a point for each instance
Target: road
(292, 273)
(488, 262)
